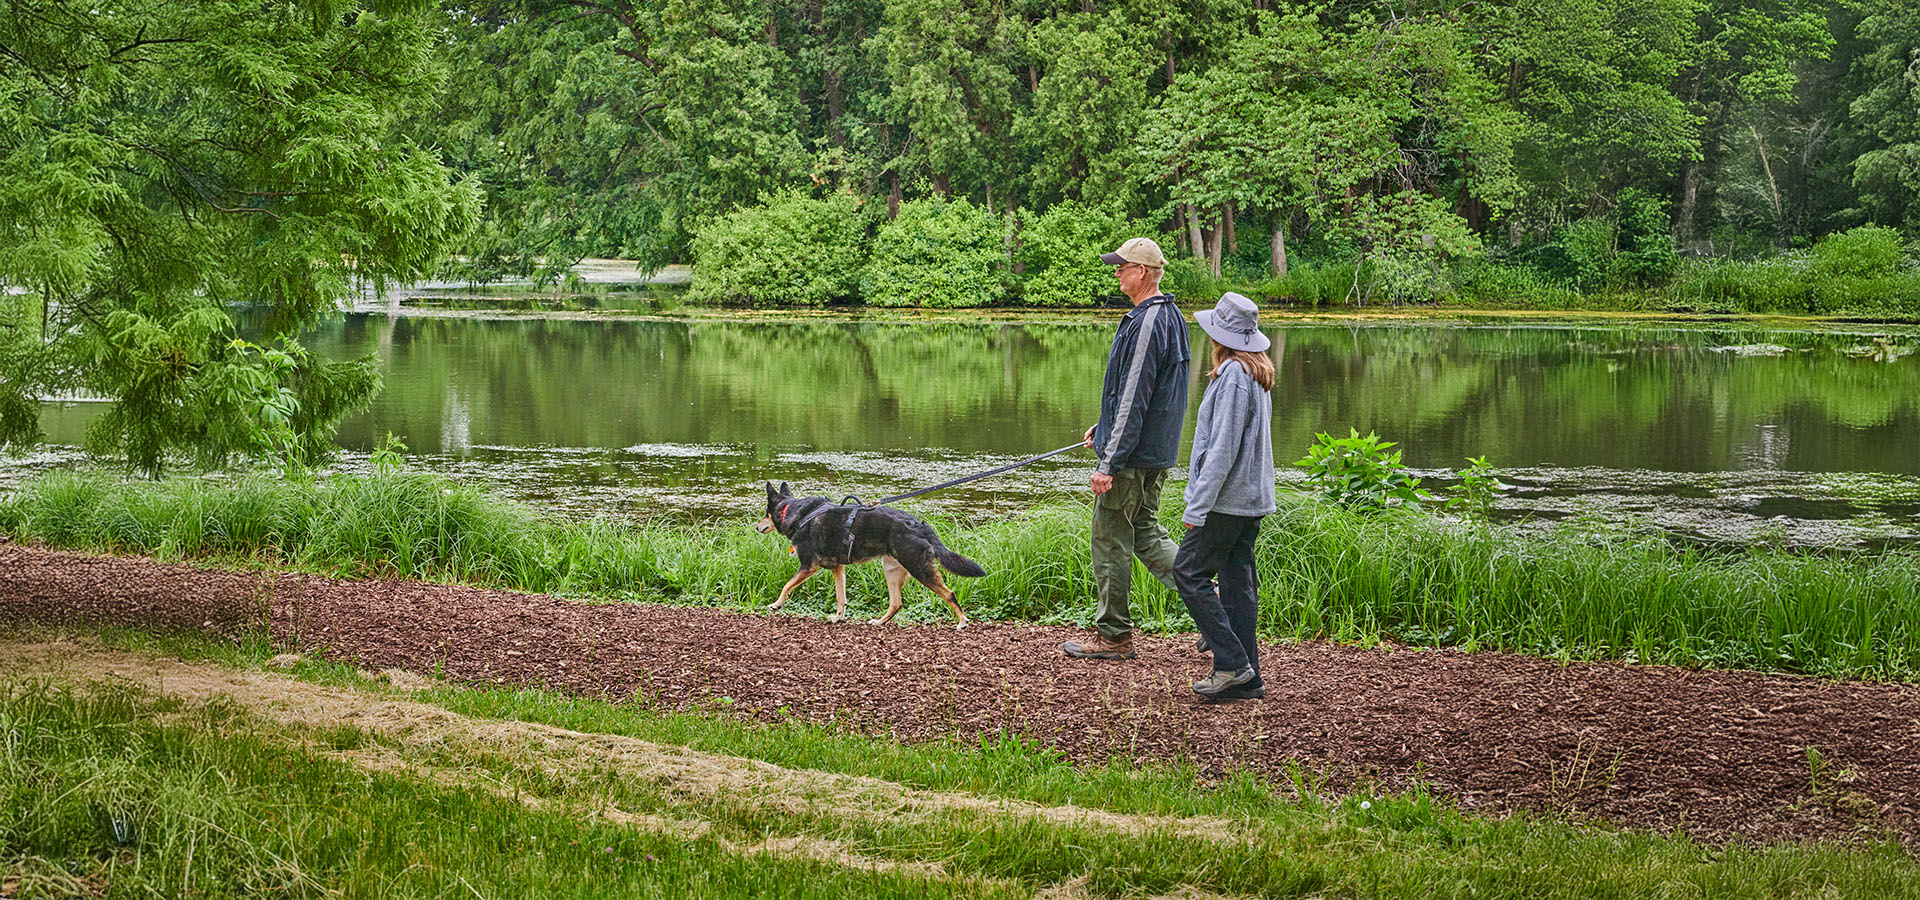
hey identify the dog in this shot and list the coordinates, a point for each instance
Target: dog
(827, 535)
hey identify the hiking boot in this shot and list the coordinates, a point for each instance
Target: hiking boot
(1214, 685)
(1099, 646)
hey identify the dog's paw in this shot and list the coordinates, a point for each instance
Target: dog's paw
(876, 621)
(836, 619)
(960, 627)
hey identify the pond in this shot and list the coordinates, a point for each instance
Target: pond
(1731, 433)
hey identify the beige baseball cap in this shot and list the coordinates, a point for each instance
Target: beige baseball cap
(1137, 250)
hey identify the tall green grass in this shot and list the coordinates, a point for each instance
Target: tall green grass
(1325, 571)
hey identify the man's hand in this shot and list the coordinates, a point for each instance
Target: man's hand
(1102, 482)
(1088, 437)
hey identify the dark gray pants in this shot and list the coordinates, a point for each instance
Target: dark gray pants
(1223, 547)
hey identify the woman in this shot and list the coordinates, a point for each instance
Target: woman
(1229, 489)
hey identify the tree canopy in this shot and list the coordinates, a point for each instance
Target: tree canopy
(161, 162)
(1754, 122)
(186, 187)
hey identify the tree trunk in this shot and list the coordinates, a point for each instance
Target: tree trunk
(943, 185)
(832, 78)
(893, 196)
(1233, 242)
(1766, 165)
(1279, 245)
(1689, 201)
(1219, 240)
(1198, 241)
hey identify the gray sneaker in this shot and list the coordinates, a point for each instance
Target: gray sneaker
(1221, 682)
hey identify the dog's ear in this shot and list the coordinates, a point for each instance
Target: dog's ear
(771, 493)
(784, 490)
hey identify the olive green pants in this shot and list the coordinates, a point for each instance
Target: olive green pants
(1126, 524)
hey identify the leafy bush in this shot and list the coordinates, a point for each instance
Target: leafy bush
(1869, 251)
(1405, 241)
(1644, 252)
(1629, 247)
(1358, 472)
(938, 253)
(1060, 251)
(792, 250)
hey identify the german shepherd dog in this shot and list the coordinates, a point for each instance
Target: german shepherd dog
(826, 535)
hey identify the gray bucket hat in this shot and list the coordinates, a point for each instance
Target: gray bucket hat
(1235, 323)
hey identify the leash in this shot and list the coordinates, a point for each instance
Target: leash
(852, 505)
(966, 478)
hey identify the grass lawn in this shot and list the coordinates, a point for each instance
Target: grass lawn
(203, 771)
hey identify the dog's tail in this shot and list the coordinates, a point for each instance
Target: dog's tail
(957, 564)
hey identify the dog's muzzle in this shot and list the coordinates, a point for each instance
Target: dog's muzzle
(764, 525)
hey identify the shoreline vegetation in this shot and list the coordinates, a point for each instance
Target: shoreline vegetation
(1395, 577)
(793, 251)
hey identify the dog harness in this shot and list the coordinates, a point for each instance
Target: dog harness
(851, 509)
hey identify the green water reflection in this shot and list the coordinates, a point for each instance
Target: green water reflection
(1721, 433)
(1662, 400)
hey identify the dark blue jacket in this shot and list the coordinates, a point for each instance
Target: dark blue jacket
(1144, 399)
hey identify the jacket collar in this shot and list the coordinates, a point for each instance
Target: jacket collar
(1142, 305)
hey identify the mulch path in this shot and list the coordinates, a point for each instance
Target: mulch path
(1720, 754)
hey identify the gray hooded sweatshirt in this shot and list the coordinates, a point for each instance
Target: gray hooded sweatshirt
(1232, 467)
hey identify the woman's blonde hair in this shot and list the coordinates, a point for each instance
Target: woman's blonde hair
(1259, 365)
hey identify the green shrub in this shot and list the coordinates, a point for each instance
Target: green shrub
(1869, 251)
(792, 250)
(1358, 472)
(1060, 252)
(1629, 247)
(1644, 252)
(938, 253)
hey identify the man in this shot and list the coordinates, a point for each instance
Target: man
(1142, 405)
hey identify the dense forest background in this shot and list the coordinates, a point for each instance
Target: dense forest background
(1234, 128)
(166, 165)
